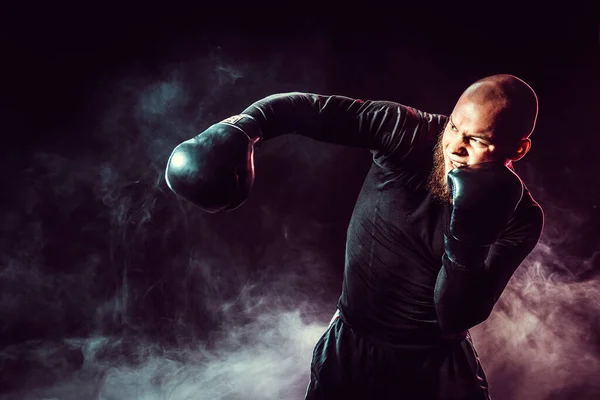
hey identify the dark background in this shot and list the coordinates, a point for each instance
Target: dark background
(111, 288)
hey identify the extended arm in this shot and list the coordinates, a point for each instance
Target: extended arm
(215, 169)
(386, 127)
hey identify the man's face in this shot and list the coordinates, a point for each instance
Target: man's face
(469, 135)
(467, 139)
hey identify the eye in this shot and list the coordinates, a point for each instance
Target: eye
(453, 127)
(478, 142)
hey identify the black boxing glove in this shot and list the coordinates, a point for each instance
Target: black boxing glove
(215, 170)
(484, 196)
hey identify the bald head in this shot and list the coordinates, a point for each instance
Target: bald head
(513, 105)
(491, 122)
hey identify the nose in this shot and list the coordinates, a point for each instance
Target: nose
(457, 147)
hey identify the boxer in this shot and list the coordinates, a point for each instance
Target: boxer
(440, 225)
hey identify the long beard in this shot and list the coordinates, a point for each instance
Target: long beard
(437, 184)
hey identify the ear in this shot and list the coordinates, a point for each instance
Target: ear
(522, 149)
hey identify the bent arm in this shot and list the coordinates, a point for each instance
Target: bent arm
(466, 294)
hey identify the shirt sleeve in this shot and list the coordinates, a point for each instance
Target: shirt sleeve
(392, 131)
(465, 295)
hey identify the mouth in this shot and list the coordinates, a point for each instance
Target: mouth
(455, 164)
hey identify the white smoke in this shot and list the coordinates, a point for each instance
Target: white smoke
(541, 340)
(539, 344)
(267, 359)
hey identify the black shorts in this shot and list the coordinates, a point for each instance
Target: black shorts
(347, 366)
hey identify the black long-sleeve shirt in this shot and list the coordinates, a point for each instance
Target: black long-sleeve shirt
(397, 285)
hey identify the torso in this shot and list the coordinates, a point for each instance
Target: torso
(393, 253)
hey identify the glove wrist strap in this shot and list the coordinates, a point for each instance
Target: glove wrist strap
(245, 123)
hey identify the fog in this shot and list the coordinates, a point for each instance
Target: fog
(113, 288)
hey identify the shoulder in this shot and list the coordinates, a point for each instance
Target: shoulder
(528, 219)
(408, 112)
(398, 122)
(405, 135)
(530, 206)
